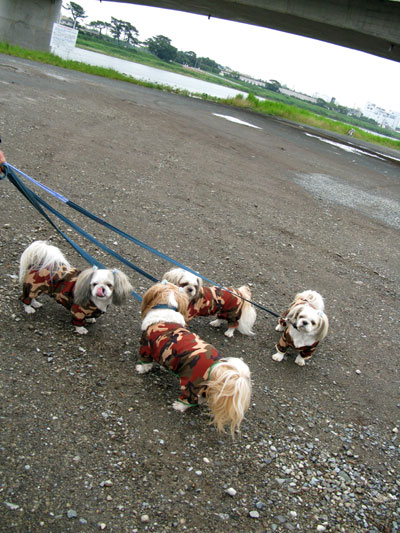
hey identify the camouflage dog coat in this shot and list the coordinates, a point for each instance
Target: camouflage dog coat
(216, 301)
(286, 340)
(183, 353)
(60, 286)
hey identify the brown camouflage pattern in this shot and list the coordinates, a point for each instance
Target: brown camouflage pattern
(182, 352)
(60, 286)
(216, 301)
(286, 342)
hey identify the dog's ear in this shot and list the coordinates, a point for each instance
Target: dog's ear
(152, 297)
(82, 287)
(323, 326)
(183, 302)
(294, 313)
(173, 276)
(122, 287)
(147, 299)
(198, 288)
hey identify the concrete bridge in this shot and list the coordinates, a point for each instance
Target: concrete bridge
(372, 26)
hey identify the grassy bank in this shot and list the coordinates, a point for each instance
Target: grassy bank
(303, 116)
(137, 55)
(275, 108)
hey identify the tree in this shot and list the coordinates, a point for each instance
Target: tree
(186, 58)
(161, 47)
(117, 28)
(99, 25)
(205, 63)
(273, 85)
(77, 12)
(130, 33)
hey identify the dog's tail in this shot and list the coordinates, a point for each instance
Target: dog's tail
(249, 314)
(229, 393)
(40, 255)
(313, 298)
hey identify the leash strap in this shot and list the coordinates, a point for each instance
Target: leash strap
(36, 201)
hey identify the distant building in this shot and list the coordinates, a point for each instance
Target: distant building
(226, 71)
(300, 96)
(252, 81)
(324, 97)
(66, 21)
(386, 119)
(354, 112)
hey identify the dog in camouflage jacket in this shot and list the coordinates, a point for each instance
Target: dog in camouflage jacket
(87, 294)
(304, 325)
(228, 304)
(205, 375)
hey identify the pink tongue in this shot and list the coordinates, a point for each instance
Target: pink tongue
(100, 291)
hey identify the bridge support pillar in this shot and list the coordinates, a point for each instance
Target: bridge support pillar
(29, 24)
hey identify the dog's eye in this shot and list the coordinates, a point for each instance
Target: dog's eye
(313, 322)
(109, 285)
(183, 284)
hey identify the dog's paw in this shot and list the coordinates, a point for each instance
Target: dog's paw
(300, 361)
(29, 309)
(229, 332)
(278, 356)
(81, 330)
(35, 304)
(179, 406)
(144, 368)
(279, 328)
(216, 323)
(90, 320)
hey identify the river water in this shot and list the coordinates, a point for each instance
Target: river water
(145, 73)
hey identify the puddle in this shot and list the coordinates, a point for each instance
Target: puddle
(237, 121)
(353, 149)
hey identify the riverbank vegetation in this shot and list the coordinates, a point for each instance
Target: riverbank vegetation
(273, 103)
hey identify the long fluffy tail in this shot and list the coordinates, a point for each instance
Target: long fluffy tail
(249, 314)
(313, 297)
(228, 393)
(38, 255)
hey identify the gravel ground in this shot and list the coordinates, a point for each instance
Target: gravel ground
(88, 445)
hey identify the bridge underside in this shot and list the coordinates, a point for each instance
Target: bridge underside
(370, 26)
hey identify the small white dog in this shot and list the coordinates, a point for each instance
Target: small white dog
(205, 375)
(87, 294)
(191, 283)
(228, 305)
(304, 325)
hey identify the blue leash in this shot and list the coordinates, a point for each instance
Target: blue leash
(38, 202)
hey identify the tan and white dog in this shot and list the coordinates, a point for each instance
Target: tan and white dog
(223, 383)
(230, 305)
(189, 282)
(87, 294)
(304, 325)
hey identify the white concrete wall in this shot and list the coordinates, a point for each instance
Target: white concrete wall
(28, 23)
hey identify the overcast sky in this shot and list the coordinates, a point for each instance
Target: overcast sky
(306, 65)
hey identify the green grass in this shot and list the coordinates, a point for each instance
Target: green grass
(283, 108)
(51, 59)
(302, 116)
